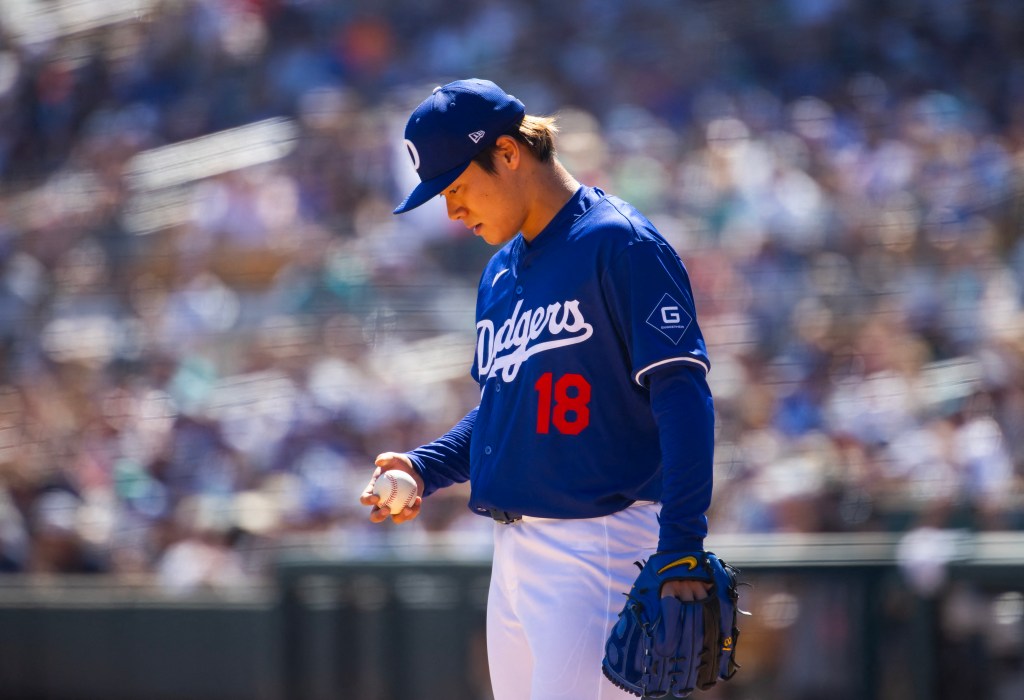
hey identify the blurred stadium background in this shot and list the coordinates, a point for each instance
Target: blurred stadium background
(210, 323)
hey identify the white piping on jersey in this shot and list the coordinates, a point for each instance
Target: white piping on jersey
(498, 277)
(670, 360)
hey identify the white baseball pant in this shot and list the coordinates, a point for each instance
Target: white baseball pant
(556, 590)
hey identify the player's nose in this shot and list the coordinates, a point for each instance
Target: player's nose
(455, 211)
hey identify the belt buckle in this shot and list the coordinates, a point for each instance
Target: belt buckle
(503, 516)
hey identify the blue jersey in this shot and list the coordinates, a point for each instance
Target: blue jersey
(570, 327)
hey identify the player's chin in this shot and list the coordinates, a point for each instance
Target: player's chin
(495, 236)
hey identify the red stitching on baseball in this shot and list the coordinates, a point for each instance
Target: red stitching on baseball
(394, 489)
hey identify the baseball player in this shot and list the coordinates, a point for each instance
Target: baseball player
(592, 443)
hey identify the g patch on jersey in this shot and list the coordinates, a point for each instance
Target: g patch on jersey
(670, 318)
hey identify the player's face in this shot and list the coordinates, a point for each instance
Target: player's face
(487, 203)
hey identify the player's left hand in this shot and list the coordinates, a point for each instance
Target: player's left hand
(686, 591)
(677, 631)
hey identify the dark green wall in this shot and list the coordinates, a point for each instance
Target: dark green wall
(833, 616)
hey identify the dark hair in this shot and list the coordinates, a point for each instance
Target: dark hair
(536, 133)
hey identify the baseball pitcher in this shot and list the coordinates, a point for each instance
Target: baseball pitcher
(591, 447)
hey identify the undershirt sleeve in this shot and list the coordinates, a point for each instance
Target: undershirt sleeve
(684, 411)
(445, 461)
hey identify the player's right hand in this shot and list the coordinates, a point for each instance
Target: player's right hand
(387, 461)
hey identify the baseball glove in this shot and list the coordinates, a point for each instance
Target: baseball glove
(663, 646)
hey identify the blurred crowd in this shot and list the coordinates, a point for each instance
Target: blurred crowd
(210, 322)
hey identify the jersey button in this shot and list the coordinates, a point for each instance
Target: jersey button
(487, 450)
(497, 387)
(519, 289)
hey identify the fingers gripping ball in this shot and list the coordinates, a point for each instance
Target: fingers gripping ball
(665, 646)
(396, 490)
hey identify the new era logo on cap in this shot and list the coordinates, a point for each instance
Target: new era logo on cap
(449, 128)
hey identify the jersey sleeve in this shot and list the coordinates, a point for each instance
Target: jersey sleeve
(445, 461)
(649, 295)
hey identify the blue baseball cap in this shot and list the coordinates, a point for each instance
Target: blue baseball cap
(449, 128)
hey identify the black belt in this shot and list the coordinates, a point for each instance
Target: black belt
(503, 516)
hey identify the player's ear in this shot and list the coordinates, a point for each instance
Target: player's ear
(507, 152)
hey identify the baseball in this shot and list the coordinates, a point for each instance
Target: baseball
(396, 490)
